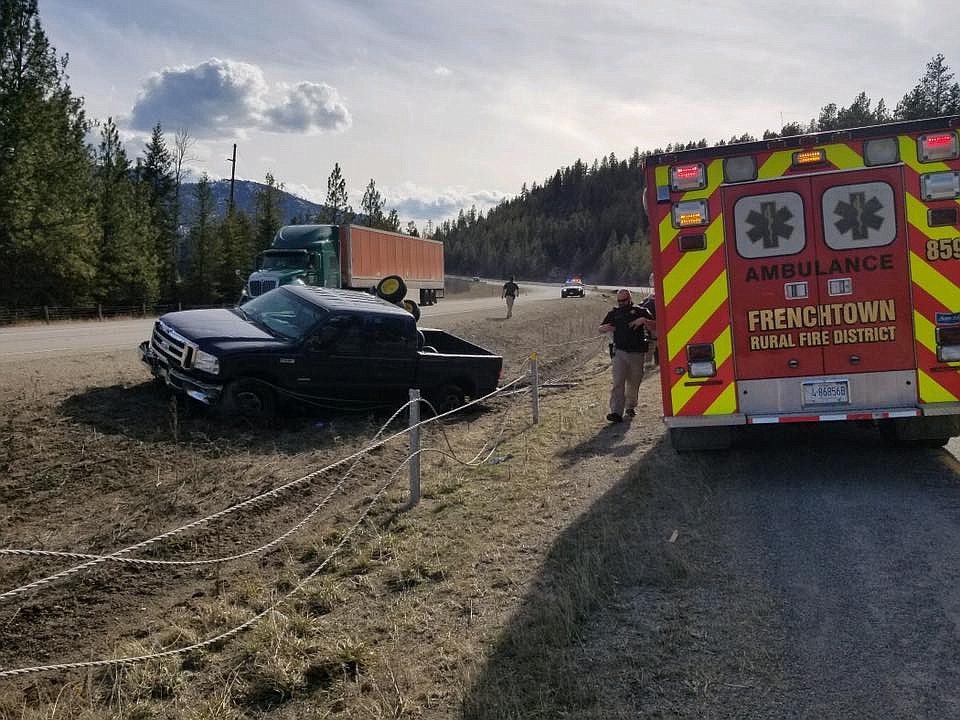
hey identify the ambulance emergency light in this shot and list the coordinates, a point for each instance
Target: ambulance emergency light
(688, 177)
(940, 146)
(690, 213)
(740, 169)
(883, 151)
(940, 186)
(809, 157)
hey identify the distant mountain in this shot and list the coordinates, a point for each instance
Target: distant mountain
(244, 198)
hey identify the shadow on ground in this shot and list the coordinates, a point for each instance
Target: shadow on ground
(150, 413)
(644, 606)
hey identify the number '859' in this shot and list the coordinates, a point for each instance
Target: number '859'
(943, 249)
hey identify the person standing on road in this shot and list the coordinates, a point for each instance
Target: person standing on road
(628, 323)
(510, 292)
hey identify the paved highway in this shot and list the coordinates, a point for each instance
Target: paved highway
(35, 341)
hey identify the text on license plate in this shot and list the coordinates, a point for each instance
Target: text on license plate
(827, 392)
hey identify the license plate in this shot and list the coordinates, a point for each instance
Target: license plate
(826, 392)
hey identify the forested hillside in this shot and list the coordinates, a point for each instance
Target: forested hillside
(589, 221)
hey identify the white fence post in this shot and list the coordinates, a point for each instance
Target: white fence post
(535, 388)
(414, 447)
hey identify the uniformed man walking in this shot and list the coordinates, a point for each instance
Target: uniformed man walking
(628, 323)
(510, 292)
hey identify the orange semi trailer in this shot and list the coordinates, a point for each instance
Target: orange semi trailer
(348, 256)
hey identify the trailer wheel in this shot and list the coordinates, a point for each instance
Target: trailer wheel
(250, 399)
(411, 307)
(392, 288)
(447, 398)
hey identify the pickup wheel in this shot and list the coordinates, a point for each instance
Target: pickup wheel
(250, 399)
(447, 398)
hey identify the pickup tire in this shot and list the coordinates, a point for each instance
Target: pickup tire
(392, 288)
(446, 398)
(250, 399)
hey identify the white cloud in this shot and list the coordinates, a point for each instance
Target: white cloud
(308, 107)
(419, 203)
(218, 97)
(442, 71)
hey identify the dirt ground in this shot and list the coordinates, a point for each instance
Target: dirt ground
(486, 600)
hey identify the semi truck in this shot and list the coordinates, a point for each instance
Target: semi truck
(810, 279)
(350, 257)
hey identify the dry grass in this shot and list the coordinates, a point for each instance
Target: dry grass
(481, 602)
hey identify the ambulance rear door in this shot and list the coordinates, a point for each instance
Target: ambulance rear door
(864, 264)
(771, 253)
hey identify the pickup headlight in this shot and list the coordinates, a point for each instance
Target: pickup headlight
(206, 362)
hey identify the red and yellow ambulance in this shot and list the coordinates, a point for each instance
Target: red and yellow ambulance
(809, 279)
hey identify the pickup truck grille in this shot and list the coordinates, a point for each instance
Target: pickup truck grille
(171, 346)
(258, 287)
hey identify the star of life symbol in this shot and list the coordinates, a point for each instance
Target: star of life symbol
(858, 215)
(770, 224)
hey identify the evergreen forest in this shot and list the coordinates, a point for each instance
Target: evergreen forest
(82, 223)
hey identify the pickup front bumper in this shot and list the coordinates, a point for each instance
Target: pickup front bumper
(178, 380)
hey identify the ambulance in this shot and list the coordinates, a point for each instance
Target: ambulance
(813, 278)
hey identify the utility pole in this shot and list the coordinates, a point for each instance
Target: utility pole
(233, 173)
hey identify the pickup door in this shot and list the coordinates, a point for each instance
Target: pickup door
(364, 358)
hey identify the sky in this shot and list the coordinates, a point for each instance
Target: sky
(451, 103)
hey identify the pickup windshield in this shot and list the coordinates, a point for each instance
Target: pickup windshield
(282, 313)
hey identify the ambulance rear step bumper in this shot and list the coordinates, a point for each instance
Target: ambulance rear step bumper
(769, 419)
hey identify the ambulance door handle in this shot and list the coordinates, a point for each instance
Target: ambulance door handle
(854, 359)
(793, 362)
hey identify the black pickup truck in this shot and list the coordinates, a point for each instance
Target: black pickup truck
(321, 346)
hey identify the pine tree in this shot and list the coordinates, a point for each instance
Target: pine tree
(392, 222)
(337, 210)
(127, 265)
(235, 238)
(48, 227)
(267, 219)
(203, 247)
(372, 206)
(934, 95)
(412, 229)
(157, 174)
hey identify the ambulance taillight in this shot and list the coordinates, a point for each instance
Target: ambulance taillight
(688, 177)
(948, 344)
(701, 360)
(940, 146)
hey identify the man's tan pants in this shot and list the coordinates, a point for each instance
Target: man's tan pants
(627, 376)
(509, 299)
